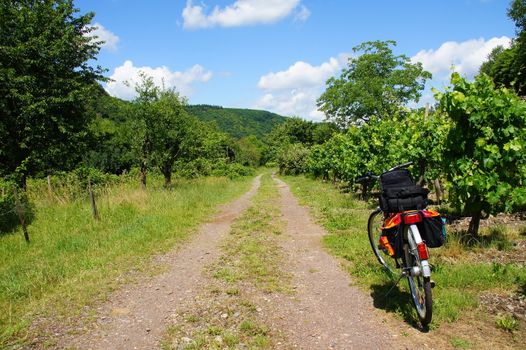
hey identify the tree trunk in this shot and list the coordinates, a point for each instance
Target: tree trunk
(20, 211)
(438, 190)
(474, 224)
(22, 182)
(365, 190)
(167, 172)
(94, 211)
(421, 171)
(49, 187)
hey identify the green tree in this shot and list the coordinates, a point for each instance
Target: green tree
(293, 159)
(420, 137)
(507, 67)
(376, 83)
(323, 132)
(297, 131)
(161, 127)
(110, 149)
(485, 158)
(171, 134)
(144, 124)
(294, 130)
(249, 151)
(45, 85)
(489, 65)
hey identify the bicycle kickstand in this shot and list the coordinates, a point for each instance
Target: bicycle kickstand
(394, 285)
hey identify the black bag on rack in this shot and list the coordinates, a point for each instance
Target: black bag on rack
(400, 193)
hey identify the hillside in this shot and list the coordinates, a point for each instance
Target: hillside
(236, 121)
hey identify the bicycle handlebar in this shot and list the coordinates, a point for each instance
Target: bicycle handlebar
(368, 176)
(401, 166)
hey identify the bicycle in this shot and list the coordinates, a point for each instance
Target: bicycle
(411, 258)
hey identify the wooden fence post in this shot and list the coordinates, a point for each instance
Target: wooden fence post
(49, 187)
(20, 212)
(94, 210)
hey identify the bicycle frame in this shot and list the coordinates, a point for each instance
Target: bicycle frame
(412, 234)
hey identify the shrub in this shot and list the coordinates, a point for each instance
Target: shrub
(293, 160)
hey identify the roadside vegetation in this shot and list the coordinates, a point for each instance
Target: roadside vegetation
(472, 278)
(74, 260)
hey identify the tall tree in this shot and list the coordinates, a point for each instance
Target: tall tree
(45, 84)
(171, 138)
(507, 67)
(162, 128)
(144, 123)
(376, 83)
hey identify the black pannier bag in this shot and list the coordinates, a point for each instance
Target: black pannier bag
(400, 193)
(432, 231)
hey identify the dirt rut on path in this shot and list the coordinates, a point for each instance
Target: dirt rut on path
(135, 317)
(326, 312)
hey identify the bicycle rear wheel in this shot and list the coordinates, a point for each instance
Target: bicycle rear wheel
(374, 228)
(419, 286)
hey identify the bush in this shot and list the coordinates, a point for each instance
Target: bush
(233, 170)
(484, 157)
(293, 160)
(193, 169)
(211, 167)
(72, 185)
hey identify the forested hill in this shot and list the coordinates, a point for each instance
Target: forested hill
(238, 122)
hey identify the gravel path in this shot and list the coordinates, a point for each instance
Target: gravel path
(324, 312)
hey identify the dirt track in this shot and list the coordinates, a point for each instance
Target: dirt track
(324, 312)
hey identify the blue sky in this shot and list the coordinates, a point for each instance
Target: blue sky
(277, 54)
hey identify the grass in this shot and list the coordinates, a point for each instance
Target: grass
(507, 323)
(459, 343)
(73, 261)
(251, 252)
(460, 280)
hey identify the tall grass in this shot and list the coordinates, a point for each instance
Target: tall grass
(459, 281)
(73, 260)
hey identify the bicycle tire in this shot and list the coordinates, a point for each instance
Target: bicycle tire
(419, 287)
(374, 225)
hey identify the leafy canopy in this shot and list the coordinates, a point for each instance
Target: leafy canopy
(376, 83)
(45, 85)
(485, 154)
(507, 67)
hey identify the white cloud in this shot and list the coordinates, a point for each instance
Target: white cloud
(303, 14)
(99, 33)
(293, 92)
(126, 76)
(301, 74)
(240, 13)
(465, 57)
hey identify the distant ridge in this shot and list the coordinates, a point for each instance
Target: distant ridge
(238, 122)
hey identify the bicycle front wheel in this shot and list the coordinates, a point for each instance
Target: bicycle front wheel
(374, 228)
(419, 285)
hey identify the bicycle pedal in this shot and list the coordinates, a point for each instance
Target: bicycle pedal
(432, 284)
